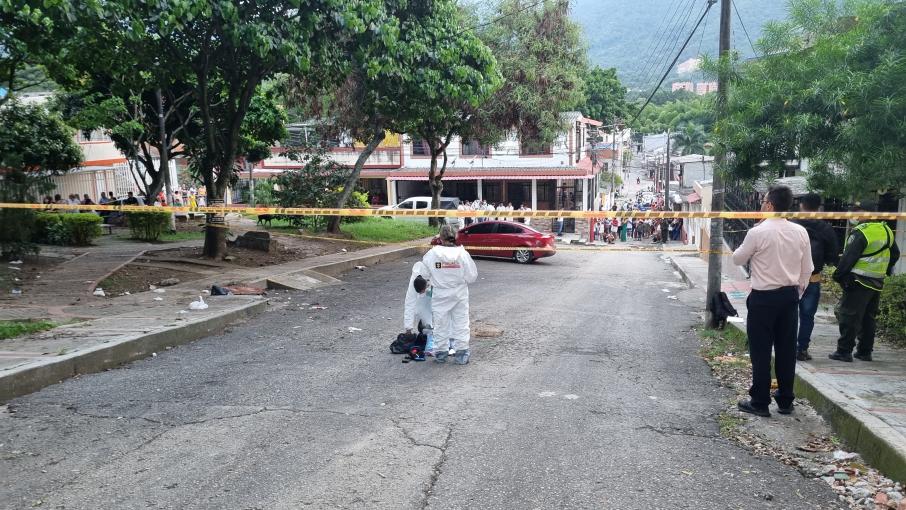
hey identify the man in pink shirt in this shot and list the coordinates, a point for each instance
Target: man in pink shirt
(780, 262)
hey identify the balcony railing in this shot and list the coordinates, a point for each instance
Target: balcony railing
(381, 158)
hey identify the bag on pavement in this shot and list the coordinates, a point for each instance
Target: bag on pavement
(405, 342)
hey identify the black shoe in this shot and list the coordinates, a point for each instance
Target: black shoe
(747, 407)
(785, 410)
(803, 355)
(841, 356)
(863, 357)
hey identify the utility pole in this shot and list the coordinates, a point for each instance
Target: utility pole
(716, 247)
(613, 163)
(667, 207)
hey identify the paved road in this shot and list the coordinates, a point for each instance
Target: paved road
(593, 397)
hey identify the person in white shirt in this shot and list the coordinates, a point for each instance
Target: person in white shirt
(779, 256)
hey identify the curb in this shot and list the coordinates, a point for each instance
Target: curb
(335, 269)
(35, 376)
(876, 441)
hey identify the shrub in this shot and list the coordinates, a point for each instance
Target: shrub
(357, 200)
(77, 229)
(82, 227)
(892, 316)
(148, 226)
(16, 233)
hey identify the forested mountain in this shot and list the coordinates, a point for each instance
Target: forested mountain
(640, 37)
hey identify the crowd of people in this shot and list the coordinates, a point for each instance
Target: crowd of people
(785, 259)
(188, 197)
(501, 211)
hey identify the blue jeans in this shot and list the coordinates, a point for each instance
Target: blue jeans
(808, 306)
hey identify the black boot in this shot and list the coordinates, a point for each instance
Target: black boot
(841, 356)
(863, 357)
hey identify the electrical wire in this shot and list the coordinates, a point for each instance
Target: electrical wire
(743, 25)
(501, 17)
(672, 27)
(662, 31)
(667, 72)
(682, 29)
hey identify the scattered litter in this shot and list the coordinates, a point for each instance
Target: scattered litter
(352, 329)
(304, 304)
(181, 312)
(296, 327)
(665, 290)
(99, 292)
(652, 397)
(842, 455)
(316, 307)
(570, 396)
(159, 291)
(672, 297)
(16, 262)
(158, 299)
(206, 292)
(360, 268)
(198, 305)
(153, 354)
(238, 290)
(687, 473)
(343, 250)
(127, 293)
(16, 291)
(16, 279)
(152, 287)
(15, 268)
(378, 472)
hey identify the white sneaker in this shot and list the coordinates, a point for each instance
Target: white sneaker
(451, 352)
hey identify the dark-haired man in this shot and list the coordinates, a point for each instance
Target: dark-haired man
(780, 259)
(825, 251)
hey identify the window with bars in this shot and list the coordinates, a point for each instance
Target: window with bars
(420, 147)
(533, 148)
(473, 148)
(96, 135)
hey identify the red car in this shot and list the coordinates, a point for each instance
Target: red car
(509, 240)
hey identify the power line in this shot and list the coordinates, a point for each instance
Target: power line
(662, 30)
(743, 25)
(680, 31)
(661, 48)
(680, 52)
(501, 17)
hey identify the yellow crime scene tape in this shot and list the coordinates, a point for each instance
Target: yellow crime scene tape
(443, 213)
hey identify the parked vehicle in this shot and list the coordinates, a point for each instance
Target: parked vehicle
(418, 203)
(520, 242)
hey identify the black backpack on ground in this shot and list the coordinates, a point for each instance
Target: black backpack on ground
(405, 342)
(722, 308)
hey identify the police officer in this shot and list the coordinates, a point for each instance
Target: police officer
(868, 257)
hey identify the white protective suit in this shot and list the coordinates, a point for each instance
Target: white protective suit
(452, 270)
(418, 306)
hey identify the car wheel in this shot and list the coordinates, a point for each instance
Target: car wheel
(522, 256)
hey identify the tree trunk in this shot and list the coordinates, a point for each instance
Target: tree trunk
(215, 226)
(377, 137)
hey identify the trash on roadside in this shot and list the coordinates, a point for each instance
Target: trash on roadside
(842, 455)
(672, 297)
(17, 291)
(16, 262)
(198, 305)
(99, 292)
(238, 290)
(360, 268)
(181, 312)
(352, 329)
(152, 287)
(343, 250)
(159, 291)
(158, 299)
(317, 307)
(14, 268)
(206, 292)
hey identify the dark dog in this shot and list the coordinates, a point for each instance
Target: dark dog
(265, 219)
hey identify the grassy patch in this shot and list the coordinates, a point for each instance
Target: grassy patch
(11, 329)
(722, 343)
(182, 235)
(384, 230)
(729, 423)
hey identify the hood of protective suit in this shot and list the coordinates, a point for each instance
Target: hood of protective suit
(447, 254)
(420, 269)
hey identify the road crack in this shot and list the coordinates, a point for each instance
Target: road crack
(437, 470)
(678, 431)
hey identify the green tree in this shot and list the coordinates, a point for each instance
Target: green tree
(226, 50)
(33, 146)
(830, 89)
(541, 57)
(455, 73)
(690, 139)
(605, 96)
(698, 110)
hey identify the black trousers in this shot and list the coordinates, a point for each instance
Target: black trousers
(856, 314)
(773, 323)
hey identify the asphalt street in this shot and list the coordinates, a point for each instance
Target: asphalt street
(593, 396)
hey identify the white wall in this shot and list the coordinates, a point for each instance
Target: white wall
(504, 155)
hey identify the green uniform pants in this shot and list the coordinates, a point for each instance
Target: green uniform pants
(856, 314)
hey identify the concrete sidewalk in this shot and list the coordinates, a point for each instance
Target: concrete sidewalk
(864, 402)
(131, 327)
